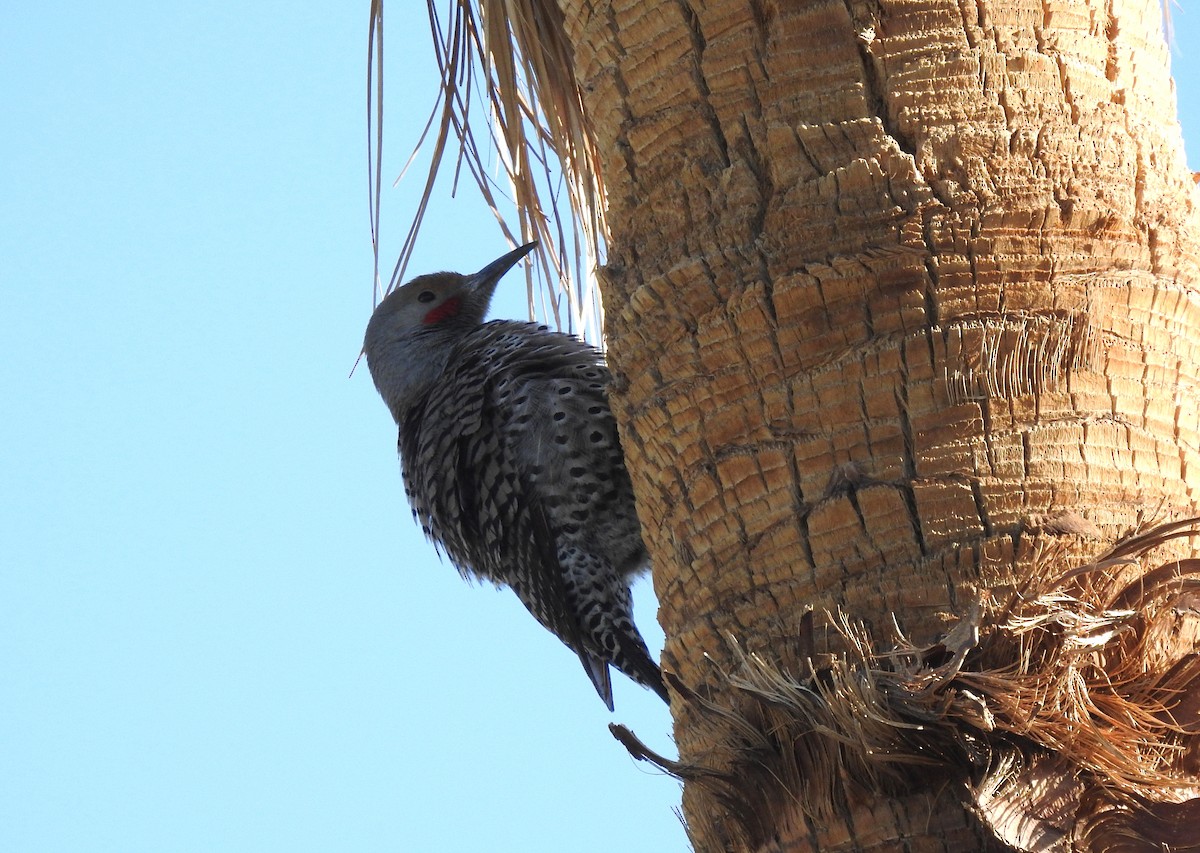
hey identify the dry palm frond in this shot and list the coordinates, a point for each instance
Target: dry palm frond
(511, 58)
(1065, 707)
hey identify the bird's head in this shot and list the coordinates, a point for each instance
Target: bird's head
(410, 334)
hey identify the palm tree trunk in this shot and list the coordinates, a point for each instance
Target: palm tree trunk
(898, 294)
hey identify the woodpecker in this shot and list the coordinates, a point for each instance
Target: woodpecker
(511, 461)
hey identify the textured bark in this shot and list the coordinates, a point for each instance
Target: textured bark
(888, 285)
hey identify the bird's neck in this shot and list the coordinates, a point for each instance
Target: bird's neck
(404, 371)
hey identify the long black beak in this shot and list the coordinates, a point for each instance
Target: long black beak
(486, 279)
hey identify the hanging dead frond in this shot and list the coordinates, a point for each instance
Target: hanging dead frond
(1055, 707)
(511, 60)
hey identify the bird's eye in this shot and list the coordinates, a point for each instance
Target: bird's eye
(426, 296)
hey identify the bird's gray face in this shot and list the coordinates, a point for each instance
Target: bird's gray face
(410, 335)
(442, 301)
(413, 329)
(425, 303)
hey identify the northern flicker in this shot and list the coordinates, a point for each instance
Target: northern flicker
(512, 463)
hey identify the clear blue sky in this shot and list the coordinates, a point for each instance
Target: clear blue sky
(219, 628)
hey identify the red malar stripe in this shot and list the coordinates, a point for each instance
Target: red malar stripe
(449, 308)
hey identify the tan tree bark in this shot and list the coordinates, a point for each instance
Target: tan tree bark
(901, 301)
(902, 311)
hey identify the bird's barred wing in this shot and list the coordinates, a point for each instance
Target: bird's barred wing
(546, 593)
(478, 505)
